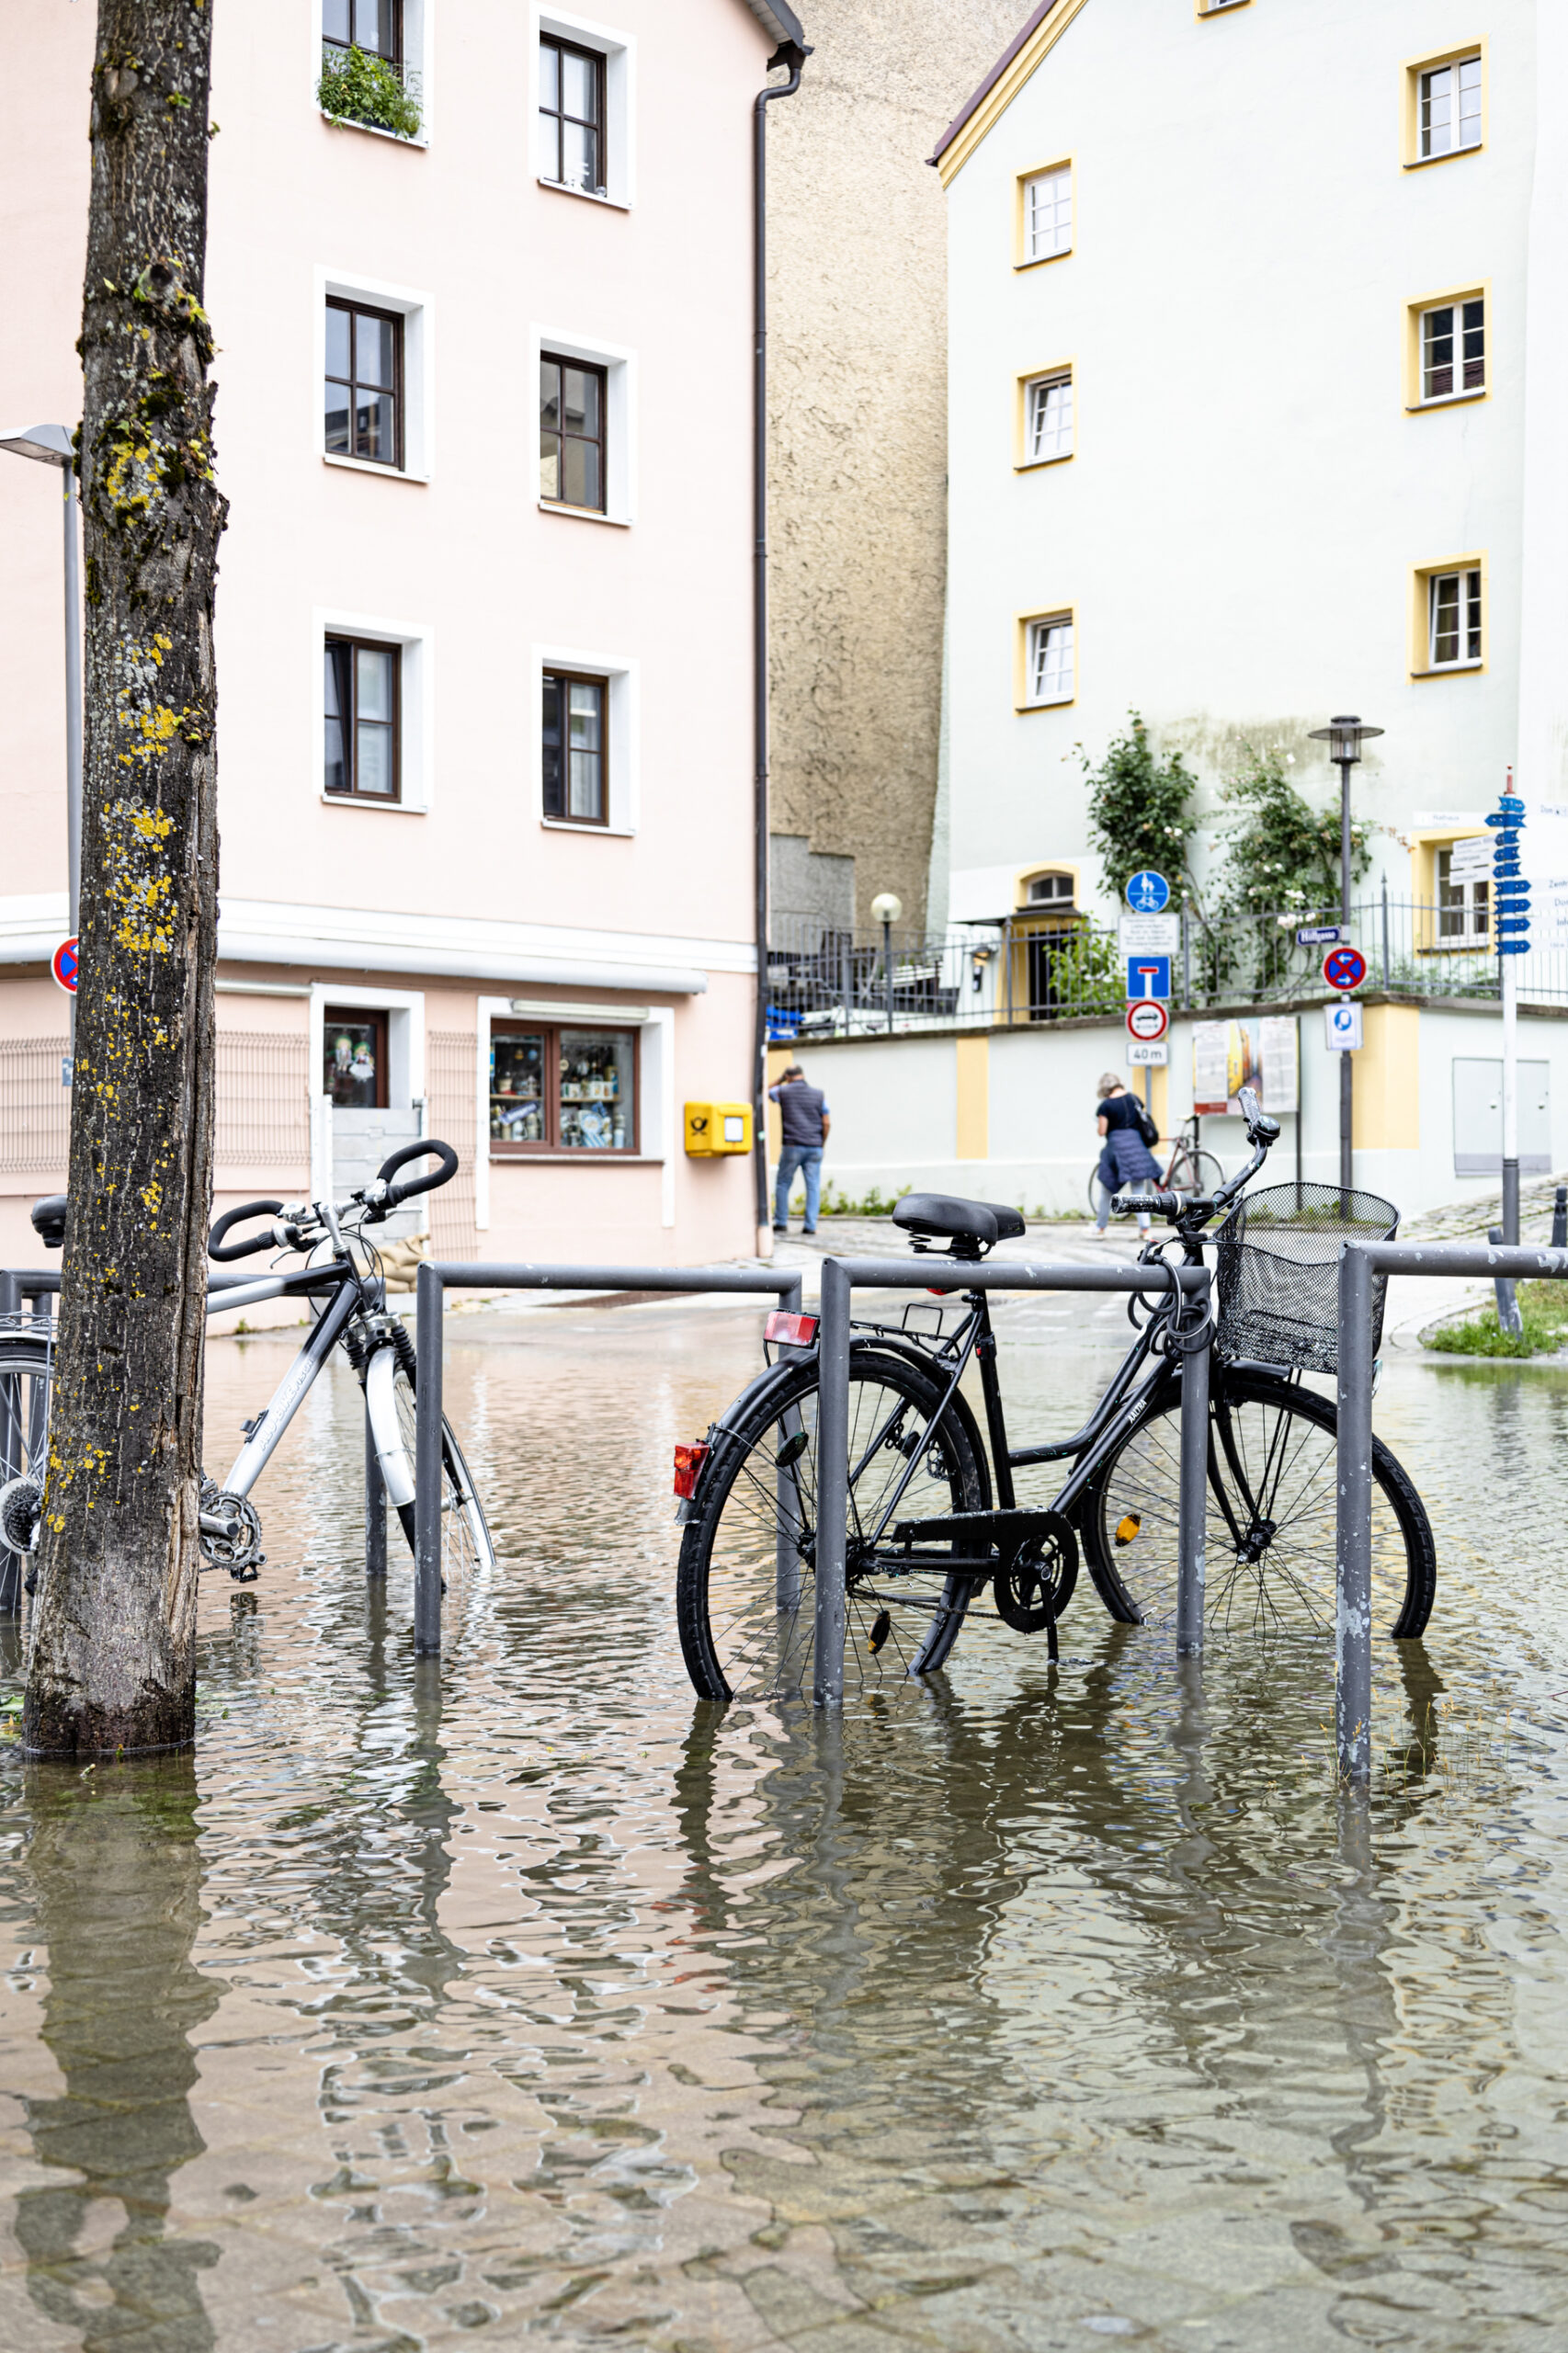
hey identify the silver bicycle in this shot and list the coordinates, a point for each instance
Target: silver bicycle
(347, 1297)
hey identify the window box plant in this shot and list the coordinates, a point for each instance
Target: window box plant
(356, 85)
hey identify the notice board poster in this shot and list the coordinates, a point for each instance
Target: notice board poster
(1262, 1052)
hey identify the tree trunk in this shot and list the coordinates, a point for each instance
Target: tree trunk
(113, 1662)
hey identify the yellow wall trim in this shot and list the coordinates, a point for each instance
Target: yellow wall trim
(1410, 105)
(1420, 574)
(1386, 1079)
(971, 1122)
(1000, 97)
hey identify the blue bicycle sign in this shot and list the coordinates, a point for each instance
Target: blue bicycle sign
(1148, 893)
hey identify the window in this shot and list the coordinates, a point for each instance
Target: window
(577, 748)
(362, 686)
(1047, 418)
(355, 1054)
(1048, 214)
(572, 115)
(1050, 891)
(572, 406)
(363, 383)
(1047, 661)
(1453, 350)
(563, 1090)
(1448, 107)
(374, 26)
(1453, 619)
(1464, 892)
(1216, 7)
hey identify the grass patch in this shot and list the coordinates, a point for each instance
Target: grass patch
(1543, 1311)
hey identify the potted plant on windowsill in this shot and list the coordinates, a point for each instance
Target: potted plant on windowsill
(358, 86)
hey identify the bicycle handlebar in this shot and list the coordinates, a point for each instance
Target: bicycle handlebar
(1194, 1210)
(383, 1197)
(230, 1218)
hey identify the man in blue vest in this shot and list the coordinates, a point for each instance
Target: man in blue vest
(804, 1115)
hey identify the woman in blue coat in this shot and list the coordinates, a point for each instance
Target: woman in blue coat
(1125, 1158)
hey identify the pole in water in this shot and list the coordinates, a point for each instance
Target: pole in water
(1560, 1219)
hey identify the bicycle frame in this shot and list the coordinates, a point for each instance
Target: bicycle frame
(351, 1297)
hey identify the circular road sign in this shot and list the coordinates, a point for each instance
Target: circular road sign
(1345, 968)
(63, 965)
(1147, 1019)
(1148, 893)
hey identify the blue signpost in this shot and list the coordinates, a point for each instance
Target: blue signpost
(1511, 931)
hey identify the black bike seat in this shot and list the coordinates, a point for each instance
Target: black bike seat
(956, 1221)
(48, 1220)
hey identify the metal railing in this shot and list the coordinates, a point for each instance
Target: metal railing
(1052, 964)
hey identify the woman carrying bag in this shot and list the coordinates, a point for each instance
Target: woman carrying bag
(1125, 1157)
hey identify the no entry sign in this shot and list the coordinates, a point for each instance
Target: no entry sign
(64, 963)
(1345, 968)
(1147, 1019)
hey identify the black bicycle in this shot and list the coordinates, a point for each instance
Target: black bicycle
(934, 1521)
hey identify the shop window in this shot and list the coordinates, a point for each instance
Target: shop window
(563, 1090)
(355, 1053)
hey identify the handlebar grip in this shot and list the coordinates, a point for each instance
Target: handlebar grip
(399, 1159)
(1149, 1204)
(230, 1218)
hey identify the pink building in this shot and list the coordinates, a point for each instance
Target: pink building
(485, 671)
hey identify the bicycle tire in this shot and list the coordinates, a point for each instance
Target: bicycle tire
(1193, 1171)
(752, 1538)
(465, 1541)
(27, 1388)
(1272, 1443)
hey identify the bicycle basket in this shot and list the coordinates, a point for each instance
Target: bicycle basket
(1279, 1272)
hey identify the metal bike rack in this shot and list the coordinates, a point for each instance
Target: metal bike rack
(437, 1277)
(1359, 1264)
(839, 1277)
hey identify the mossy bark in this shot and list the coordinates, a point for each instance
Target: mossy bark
(113, 1662)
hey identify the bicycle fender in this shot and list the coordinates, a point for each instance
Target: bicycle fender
(381, 1407)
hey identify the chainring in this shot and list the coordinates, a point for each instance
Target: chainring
(21, 1514)
(241, 1555)
(1033, 1583)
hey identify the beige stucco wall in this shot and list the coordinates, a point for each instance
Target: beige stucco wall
(857, 332)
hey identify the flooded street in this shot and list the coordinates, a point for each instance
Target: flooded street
(518, 1998)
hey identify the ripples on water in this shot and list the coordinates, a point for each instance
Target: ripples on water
(524, 1999)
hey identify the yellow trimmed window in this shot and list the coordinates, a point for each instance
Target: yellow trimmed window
(1448, 617)
(1049, 661)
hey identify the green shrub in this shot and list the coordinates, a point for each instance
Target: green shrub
(1140, 809)
(1543, 1311)
(358, 88)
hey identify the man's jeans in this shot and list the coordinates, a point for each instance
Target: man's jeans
(797, 1155)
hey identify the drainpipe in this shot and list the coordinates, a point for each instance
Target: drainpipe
(791, 54)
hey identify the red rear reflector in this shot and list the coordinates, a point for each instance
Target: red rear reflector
(795, 1331)
(689, 1460)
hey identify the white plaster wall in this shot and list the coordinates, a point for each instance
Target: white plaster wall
(1236, 529)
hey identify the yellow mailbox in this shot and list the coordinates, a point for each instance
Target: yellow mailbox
(712, 1128)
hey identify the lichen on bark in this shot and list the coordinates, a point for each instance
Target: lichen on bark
(113, 1657)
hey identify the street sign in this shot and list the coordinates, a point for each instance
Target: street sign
(64, 963)
(1345, 968)
(1151, 1054)
(1342, 1025)
(1148, 976)
(1470, 861)
(1149, 935)
(1148, 893)
(1318, 934)
(1147, 1019)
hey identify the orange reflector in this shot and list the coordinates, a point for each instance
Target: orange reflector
(1126, 1530)
(880, 1629)
(795, 1331)
(689, 1460)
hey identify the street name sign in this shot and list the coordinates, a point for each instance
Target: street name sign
(1318, 934)
(1147, 1019)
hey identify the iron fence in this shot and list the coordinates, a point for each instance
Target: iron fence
(262, 1111)
(35, 1108)
(1057, 965)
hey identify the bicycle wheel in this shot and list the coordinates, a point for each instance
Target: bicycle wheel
(1193, 1171)
(466, 1543)
(745, 1590)
(27, 1389)
(1270, 1539)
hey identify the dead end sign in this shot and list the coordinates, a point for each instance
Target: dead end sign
(1147, 1019)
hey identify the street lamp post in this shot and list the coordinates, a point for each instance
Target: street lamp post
(51, 444)
(1345, 737)
(887, 908)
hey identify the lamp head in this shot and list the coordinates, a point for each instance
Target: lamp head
(887, 908)
(49, 444)
(1345, 737)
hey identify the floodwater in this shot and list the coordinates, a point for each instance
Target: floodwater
(523, 2000)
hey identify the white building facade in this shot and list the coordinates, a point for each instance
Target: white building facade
(1256, 370)
(484, 671)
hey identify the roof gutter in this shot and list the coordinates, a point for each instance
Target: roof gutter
(792, 53)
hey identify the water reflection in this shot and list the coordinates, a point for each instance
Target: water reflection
(115, 1871)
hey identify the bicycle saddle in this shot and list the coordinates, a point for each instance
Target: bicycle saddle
(940, 1215)
(48, 1220)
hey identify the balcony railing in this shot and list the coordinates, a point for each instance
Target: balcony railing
(379, 93)
(1056, 966)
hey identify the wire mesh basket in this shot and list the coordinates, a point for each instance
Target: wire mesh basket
(1279, 1272)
